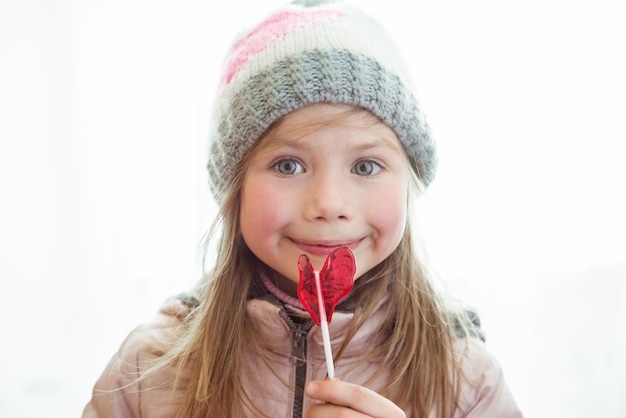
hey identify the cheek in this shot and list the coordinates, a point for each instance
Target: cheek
(262, 209)
(388, 214)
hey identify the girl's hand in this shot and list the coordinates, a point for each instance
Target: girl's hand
(344, 399)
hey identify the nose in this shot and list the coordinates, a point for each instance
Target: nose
(329, 197)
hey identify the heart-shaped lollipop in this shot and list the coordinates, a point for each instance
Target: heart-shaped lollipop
(335, 281)
(320, 291)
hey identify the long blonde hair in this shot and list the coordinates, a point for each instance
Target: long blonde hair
(417, 355)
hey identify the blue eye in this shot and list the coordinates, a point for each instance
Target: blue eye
(288, 166)
(366, 168)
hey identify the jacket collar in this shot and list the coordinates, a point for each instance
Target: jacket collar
(267, 314)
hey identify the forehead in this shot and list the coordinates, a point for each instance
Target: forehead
(297, 125)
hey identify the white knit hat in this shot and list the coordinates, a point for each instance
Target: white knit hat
(305, 53)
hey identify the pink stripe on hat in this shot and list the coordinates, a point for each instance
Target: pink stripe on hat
(276, 26)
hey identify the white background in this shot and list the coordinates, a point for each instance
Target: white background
(103, 199)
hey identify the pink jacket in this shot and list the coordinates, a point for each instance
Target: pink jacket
(116, 393)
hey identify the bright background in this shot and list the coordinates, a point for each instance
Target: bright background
(103, 198)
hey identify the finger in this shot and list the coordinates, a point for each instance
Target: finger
(353, 396)
(326, 410)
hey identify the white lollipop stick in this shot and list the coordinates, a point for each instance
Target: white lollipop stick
(328, 352)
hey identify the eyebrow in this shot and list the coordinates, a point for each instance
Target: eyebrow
(379, 141)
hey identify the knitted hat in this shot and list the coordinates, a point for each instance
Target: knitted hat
(311, 52)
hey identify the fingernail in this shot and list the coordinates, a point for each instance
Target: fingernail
(311, 388)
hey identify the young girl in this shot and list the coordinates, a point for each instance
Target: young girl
(318, 143)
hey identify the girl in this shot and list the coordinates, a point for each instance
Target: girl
(318, 143)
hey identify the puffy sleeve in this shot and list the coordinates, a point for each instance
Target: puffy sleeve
(484, 389)
(119, 392)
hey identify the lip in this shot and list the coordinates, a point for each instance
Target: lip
(324, 248)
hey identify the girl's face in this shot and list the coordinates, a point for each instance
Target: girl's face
(327, 176)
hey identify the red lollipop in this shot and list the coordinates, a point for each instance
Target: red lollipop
(320, 291)
(335, 281)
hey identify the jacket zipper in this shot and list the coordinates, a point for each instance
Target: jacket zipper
(299, 332)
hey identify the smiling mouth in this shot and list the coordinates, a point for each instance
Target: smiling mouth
(324, 248)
